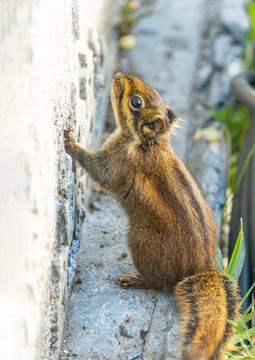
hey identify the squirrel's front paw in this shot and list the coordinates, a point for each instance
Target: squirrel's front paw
(68, 141)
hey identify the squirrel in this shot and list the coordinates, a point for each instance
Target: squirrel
(173, 233)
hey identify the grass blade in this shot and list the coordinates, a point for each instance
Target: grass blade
(249, 332)
(238, 256)
(249, 317)
(245, 297)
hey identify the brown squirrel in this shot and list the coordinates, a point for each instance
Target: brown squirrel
(173, 234)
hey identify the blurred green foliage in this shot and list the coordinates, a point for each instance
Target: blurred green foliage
(249, 53)
(130, 16)
(237, 121)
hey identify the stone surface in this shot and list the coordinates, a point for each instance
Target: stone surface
(55, 66)
(105, 321)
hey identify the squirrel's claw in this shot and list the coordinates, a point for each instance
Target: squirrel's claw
(68, 141)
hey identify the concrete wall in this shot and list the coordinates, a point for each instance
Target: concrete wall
(56, 61)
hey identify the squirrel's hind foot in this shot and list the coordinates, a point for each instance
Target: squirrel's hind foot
(128, 281)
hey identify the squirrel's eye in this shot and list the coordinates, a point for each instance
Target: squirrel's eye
(136, 102)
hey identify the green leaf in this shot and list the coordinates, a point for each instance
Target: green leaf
(251, 12)
(239, 328)
(248, 333)
(238, 256)
(245, 297)
(249, 317)
(223, 115)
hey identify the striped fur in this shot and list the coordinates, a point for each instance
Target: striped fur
(207, 300)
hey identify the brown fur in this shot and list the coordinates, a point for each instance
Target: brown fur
(207, 300)
(173, 233)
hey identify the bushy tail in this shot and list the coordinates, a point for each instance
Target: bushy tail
(206, 301)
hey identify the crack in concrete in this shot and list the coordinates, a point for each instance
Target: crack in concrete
(144, 335)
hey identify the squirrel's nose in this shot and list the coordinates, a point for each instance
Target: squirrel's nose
(119, 76)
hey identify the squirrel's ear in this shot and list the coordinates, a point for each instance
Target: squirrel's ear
(171, 115)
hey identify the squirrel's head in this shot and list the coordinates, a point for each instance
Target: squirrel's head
(139, 110)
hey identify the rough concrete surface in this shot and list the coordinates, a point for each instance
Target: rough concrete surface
(105, 321)
(55, 65)
(179, 49)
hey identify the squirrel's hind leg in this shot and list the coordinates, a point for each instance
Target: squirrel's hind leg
(128, 281)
